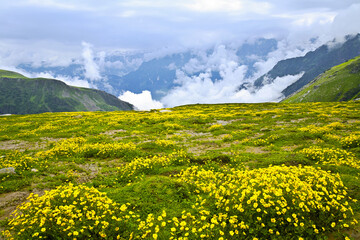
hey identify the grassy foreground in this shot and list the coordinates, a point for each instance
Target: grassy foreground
(230, 171)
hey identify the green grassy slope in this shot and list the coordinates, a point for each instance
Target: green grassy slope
(229, 171)
(10, 74)
(340, 83)
(21, 95)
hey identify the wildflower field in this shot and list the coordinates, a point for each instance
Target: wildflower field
(227, 171)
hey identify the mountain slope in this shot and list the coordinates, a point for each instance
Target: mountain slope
(340, 83)
(312, 64)
(21, 95)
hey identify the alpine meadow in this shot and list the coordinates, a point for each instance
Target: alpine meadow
(180, 120)
(227, 171)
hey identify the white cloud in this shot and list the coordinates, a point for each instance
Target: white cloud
(92, 71)
(40, 53)
(308, 18)
(346, 22)
(159, 23)
(214, 61)
(67, 5)
(239, 6)
(141, 101)
(52, 3)
(128, 14)
(202, 88)
(268, 93)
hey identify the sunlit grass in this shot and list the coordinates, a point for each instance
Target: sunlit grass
(227, 171)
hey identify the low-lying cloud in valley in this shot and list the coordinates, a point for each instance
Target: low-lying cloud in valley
(141, 101)
(202, 88)
(91, 68)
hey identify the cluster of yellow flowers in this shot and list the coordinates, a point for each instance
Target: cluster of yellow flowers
(321, 130)
(79, 147)
(215, 127)
(154, 227)
(272, 112)
(330, 136)
(142, 165)
(69, 212)
(20, 162)
(172, 126)
(331, 156)
(279, 202)
(351, 141)
(49, 126)
(165, 143)
(227, 137)
(26, 134)
(265, 141)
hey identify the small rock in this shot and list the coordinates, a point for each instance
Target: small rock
(34, 170)
(9, 170)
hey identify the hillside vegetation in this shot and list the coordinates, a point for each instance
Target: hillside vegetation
(21, 95)
(312, 64)
(340, 83)
(230, 171)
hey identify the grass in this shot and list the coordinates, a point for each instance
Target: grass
(144, 160)
(10, 74)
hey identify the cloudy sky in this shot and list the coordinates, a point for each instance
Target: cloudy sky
(151, 24)
(57, 31)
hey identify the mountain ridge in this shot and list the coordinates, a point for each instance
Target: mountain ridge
(340, 83)
(22, 95)
(312, 64)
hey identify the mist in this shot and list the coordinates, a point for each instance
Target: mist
(141, 101)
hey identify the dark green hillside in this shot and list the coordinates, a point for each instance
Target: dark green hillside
(21, 95)
(340, 83)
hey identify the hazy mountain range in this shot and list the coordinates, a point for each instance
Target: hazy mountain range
(133, 72)
(255, 71)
